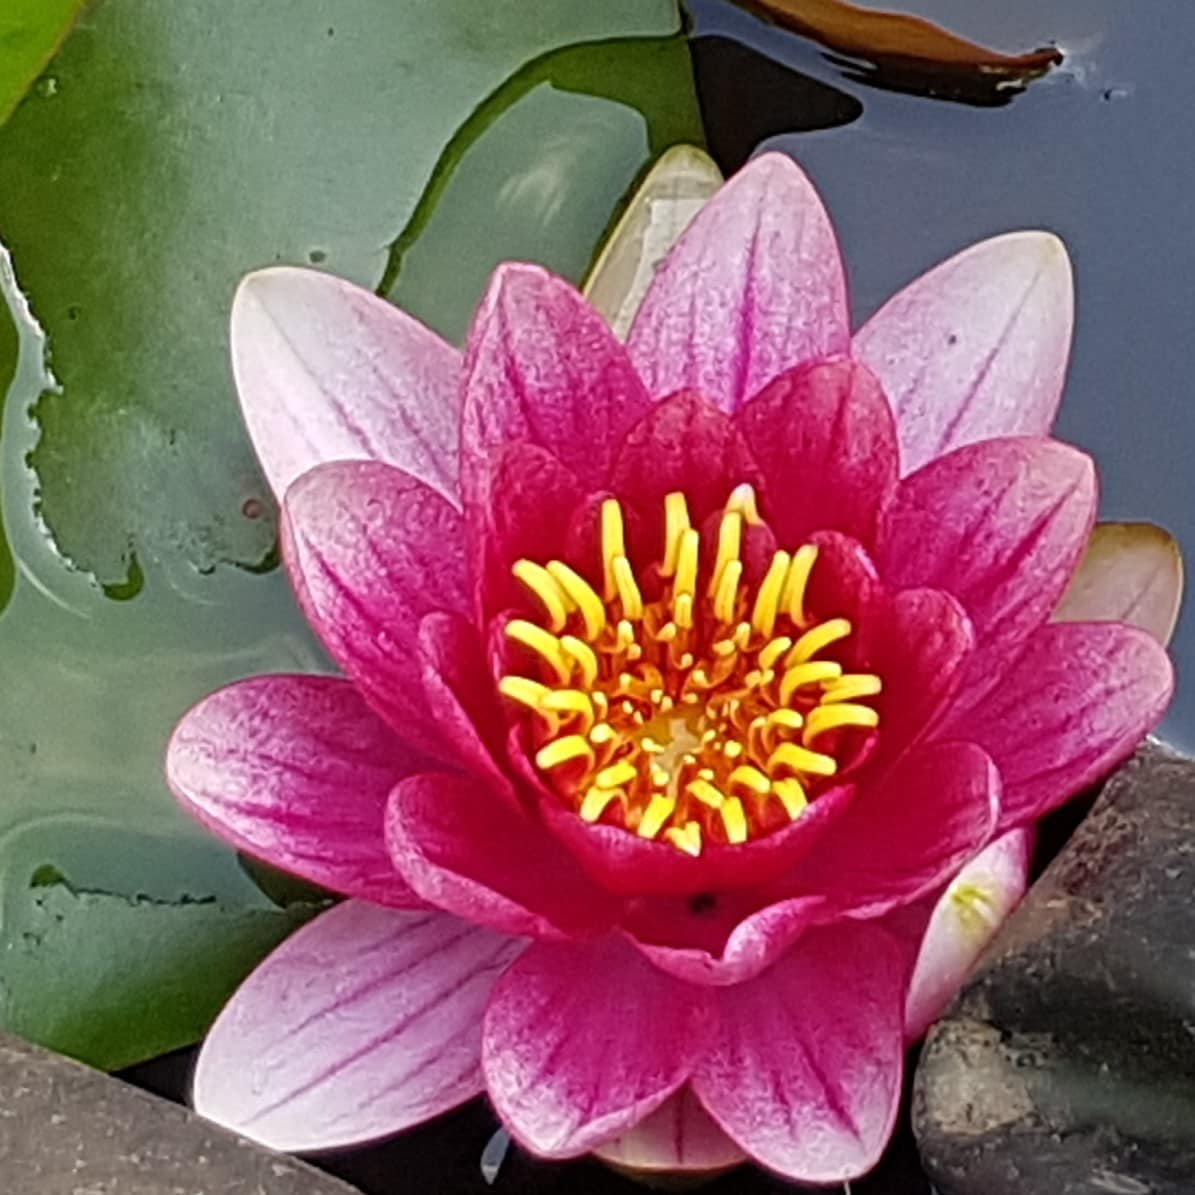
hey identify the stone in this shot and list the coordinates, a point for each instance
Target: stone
(68, 1130)
(1067, 1066)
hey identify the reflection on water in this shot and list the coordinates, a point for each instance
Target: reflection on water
(1100, 152)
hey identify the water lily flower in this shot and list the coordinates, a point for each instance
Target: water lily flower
(675, 675)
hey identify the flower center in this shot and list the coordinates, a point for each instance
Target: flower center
(685, 705)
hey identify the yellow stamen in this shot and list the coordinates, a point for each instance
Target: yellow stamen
(613, 542)
(523, 690)
(734, 820)
(751, 779)
(616, 775)
(687, 839)
(581, 594)
(730, 539)
(658, 811)
(569, 701)
(742, 500)
(545, 645)
(767, 601)
(582, 655)
(628, 591)
(786, 719)
(770, 655)
(682, 610)
(792, 758)
(792, 796)
(603, 734)
(810, 673)
(835, 717)
(706, 793)
(817, 639)
(565, 750)
(596, 802)
(686, 565)
(728, 592)
(850, 686)
(543, 585)
(676, 523)
(793, 598)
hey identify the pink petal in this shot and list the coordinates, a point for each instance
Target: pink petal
(750, 948)
(472, 852)
(965, 919)
(678, 1138)
(684, 443)
(370, 551)
(1075, 703)
(805, 1073)
(582, 1042)
(753, 288)
(296, 770)
(365, 1022)
(1131, 572)
(910, 829)
(327, 371)
(1000, 525)
(825, 440)
(542, 367)
(977, 347)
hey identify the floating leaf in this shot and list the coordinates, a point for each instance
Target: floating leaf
(246, 134)
(30, 32)
(1131, 572)
(908, 53)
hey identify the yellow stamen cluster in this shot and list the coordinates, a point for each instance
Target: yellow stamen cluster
(700, 713)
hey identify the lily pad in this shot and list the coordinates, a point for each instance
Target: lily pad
(142, 469)
(245, 134)
(30, 32)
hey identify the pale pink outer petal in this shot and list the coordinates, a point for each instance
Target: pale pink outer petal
(1077, 701)
(805, 1070)
(365, 1022)
(1131, 572)
(977, 347)
(583, 1041)
(296, 770)
(678, 1138)
(542, 367)
(327, 371)
(371, 551)
(753, 287)
(1001, 525)
(965, 919)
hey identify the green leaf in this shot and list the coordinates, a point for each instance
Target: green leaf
(230, 157)
(246, 134)
(30, 32)
(74, 969)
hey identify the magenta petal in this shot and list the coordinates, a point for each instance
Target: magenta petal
(753, 287)
(678, 1138)
(1077, 701)
(964, 920)
(1000, 525)
(327, 371)
(805, 1073)
(910, 829)
(371, 551)
(751, 947)
(296, 770)
(471, 851)
(365, 1022)
(824, 438)
(583, 1041)
(542, 367)
(977, 347)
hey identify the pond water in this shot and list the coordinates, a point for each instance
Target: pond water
(1099, 151)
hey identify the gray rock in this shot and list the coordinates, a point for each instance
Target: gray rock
(1067, 1067)
(68, 1130)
